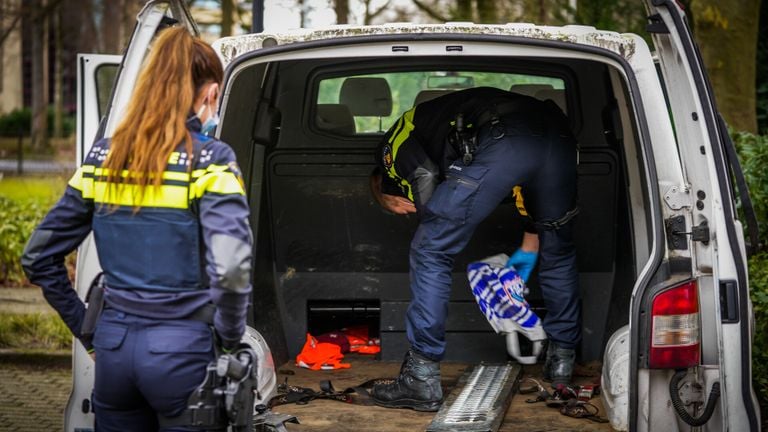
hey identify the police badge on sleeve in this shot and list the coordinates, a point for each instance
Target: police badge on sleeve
(386, 155)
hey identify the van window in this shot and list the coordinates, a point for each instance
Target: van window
(105, 79)
(370, 104)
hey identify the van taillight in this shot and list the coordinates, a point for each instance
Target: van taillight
(675, 332)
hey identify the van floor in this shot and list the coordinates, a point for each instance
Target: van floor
(328, 416)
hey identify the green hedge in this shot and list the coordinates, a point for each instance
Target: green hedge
(753, 155)
(21, 120)
(34, 331)
(758, 284)
(17, 220)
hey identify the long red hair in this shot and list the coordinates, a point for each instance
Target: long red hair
(177, 68)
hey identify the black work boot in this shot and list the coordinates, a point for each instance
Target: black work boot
(417, 387)
(558, 367)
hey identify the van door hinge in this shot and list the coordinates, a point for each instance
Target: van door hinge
(676, 233)
(656, 25)
(678, 197)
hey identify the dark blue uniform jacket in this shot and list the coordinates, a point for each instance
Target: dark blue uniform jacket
(189, 244)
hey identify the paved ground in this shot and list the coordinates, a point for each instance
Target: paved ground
(33, 391)
(34, 386)
(36, 166)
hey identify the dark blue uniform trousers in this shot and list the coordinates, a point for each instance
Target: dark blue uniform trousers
(146, 367)
(545, 165)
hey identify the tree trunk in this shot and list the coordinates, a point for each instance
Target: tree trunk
(302, 13)
(486, 12)
(132, 8)
(58, 78)
(463, 10)
(111, 14)
(227, 11)
(726, 32)
(88, 34)
(342, 11)
(39, 76)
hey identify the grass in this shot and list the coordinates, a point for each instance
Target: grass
(44, 190)
(34, 331)
(23, 203)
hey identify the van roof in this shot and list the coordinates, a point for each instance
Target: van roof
(622, 44)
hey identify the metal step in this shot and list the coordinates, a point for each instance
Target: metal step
(480, 399)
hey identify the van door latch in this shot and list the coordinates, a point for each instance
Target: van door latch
(675, 227)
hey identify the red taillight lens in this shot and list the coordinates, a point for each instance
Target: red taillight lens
(675, 331)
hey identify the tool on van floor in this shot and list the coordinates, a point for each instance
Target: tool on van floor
(479, 400)
(580, 409)
(360, 394)
(570, 401)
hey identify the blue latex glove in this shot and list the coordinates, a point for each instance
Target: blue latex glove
(523, 262)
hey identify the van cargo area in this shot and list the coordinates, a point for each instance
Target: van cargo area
(327, 256)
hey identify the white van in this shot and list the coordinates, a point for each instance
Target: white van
(661, 254)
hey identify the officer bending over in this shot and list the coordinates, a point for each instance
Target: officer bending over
(454, 159)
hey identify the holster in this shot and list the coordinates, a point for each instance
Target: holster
(95, 300)
(225, 398)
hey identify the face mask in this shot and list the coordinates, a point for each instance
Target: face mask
(210, 124)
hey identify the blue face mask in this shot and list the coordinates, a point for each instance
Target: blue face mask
(209, 125)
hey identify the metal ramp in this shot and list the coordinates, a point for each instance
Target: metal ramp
(479, 401)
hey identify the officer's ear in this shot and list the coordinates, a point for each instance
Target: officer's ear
(212, 93)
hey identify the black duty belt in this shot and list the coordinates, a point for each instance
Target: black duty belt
(204, 314)
(493, 113)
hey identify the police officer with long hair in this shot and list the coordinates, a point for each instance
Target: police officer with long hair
(167, 208)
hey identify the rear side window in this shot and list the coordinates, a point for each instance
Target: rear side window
(370, 104)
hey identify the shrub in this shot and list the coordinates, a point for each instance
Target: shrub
(758, 285)
(753, 154)
(17, 220)
(21, 120)
(34, 331)
(14, 122)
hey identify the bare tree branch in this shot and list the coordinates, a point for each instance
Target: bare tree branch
(379, 11)
(41, 12)
(429, 11)
(9, 30)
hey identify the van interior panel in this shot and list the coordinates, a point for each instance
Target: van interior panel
(322, 237)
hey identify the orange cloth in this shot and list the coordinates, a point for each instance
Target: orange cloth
(369, 349)
(359, 342)
(320, 355)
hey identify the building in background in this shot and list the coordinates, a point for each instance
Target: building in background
(11, 91)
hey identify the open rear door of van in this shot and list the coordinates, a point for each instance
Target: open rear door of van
(718, 257)
(105, 84)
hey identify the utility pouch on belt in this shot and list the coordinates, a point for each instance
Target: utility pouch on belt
(95, 300)
(464, 138)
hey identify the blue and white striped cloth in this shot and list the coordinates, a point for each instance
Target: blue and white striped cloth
(499, 291)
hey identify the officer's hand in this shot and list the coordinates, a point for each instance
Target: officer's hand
(523, 262)
(397, 204)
